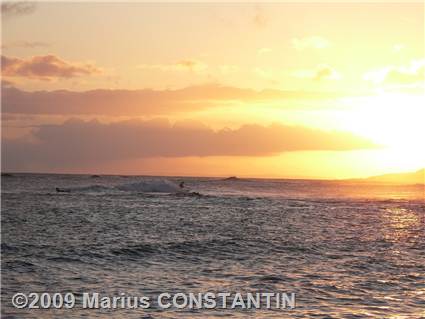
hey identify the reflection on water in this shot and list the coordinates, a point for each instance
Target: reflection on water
(403, 224)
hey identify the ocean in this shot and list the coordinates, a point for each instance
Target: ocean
(345, 249)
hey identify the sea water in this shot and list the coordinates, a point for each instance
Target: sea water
(344, 249)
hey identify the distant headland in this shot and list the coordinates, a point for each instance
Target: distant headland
(417, 177)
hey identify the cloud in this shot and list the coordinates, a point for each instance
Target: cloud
(405, 77)
(26, 45)
(398, 75)
(75, 143)
(183, 65)
(7, 83)
(325, 72)
(320, 73)
(44, 67)
(139, 102)
(313, 42)
(10, 9)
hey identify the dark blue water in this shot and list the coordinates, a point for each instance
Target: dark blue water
(345, 250)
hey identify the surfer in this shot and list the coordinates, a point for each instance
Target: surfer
(181, 185)
(61, 190)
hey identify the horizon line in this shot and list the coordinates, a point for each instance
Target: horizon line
(353, 179)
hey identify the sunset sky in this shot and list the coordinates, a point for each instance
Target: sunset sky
(304, 90)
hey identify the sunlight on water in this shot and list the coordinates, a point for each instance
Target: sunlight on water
(403, 224)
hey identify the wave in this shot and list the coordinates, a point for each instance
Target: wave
(147, 186)
(153, 186)
(88, 189)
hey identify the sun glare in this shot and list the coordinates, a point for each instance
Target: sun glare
(392, 120)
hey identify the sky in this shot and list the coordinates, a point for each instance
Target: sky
(296, 90)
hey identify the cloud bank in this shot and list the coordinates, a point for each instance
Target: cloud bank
(138, 102)
(76, 143)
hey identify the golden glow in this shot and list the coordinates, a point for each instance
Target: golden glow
(275, 67)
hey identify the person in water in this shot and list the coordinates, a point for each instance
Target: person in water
(181, 184)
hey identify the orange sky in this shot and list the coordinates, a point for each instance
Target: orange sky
(267, 90)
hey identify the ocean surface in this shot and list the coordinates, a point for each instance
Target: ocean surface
(346, 250)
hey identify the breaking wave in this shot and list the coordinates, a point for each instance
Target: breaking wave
(148, 186)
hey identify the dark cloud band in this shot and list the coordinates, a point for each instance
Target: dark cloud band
(76, 143)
